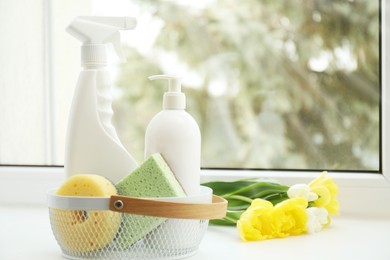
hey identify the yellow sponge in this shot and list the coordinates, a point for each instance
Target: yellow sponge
(87, 185)
(83, 231)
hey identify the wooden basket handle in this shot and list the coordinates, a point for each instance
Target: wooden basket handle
(169, 209)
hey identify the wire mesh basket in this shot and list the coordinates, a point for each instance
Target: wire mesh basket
(122, 227)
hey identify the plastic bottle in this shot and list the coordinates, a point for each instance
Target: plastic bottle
(93, 146)
(175, 134)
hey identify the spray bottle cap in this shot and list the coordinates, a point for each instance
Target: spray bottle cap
(174, 98)
(95, 31)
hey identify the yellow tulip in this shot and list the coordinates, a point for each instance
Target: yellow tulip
(292, 217)
(256, 223)
(327, 191)
(264, 221)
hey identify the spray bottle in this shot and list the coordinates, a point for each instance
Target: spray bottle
(175, 134)
(93, 146)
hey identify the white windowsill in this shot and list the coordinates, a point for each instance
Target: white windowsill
(362, 231)
(26, 234)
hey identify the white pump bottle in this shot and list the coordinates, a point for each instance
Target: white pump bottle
(93, 146)
(175, 134)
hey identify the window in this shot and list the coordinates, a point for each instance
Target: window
(273, 84)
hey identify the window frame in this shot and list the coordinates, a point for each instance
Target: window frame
(29, 184)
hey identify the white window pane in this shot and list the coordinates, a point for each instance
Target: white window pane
(272, 84)
(22, 103)
(39, 65)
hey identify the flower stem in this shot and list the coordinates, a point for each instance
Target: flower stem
(238, 197)
(231, 219)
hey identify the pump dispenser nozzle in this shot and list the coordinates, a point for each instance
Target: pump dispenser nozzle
(174, 98)
(95, 31)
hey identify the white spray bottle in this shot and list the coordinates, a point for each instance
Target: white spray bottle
(93, 146)
(175, 134)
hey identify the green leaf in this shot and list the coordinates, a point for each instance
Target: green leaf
(276, 197)
(221, 188)
(254, 190)
(222, 222)
(247, 188)
(240, 195)
(266, 193)
(236, 202)
(230, 220)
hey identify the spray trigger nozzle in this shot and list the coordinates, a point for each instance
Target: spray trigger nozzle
(116, 43)
(95, 31)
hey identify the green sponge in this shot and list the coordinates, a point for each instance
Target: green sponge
(153, 178)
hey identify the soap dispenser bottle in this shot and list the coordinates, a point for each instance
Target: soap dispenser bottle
(92, 144)
(175, 134)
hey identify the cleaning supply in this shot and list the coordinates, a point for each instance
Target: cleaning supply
(93, 145)
(175, 134)
(153, 178)
(85, 231)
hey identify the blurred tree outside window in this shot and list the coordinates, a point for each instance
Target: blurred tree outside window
(286, 84)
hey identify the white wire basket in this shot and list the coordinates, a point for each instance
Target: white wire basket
(120, 227)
